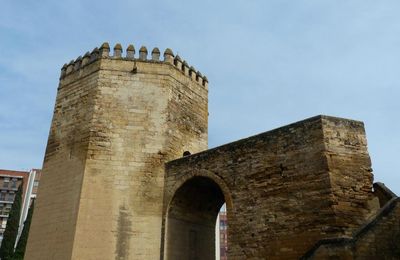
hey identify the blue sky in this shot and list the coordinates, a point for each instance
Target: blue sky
(269, 63)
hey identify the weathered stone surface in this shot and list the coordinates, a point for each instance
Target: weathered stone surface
(379, 238)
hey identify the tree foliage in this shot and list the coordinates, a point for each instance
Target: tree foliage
(23, 239)
(11, 231)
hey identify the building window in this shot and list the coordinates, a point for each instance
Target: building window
(6, 181)
(11, 197)
(14, 183)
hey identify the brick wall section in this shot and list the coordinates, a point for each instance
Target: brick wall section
(104, 199)
(279, 187)
(378, 239)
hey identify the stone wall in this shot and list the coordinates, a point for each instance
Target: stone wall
(281, 188)
(378, 239)
(52, 231)
(350, 172)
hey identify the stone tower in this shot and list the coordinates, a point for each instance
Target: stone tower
(117, 120)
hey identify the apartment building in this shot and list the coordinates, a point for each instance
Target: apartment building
(9, 183)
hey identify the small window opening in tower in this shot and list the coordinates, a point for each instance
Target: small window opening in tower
(186, 153)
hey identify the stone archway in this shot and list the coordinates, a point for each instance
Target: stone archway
(191, 218)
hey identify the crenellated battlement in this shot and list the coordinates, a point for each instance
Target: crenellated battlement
(104, 52)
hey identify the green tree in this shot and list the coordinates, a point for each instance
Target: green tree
(23, 239)
(10, 234)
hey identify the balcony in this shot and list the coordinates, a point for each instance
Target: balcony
(7, 188)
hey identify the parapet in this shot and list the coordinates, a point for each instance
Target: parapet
(103, 52)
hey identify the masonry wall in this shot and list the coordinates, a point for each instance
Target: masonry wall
(350, 172)
(52, 231)
(378, 239)
(278, 186)
(138, 116)
(141, 114)
(382, 240)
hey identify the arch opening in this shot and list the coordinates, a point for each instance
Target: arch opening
(191, 219)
